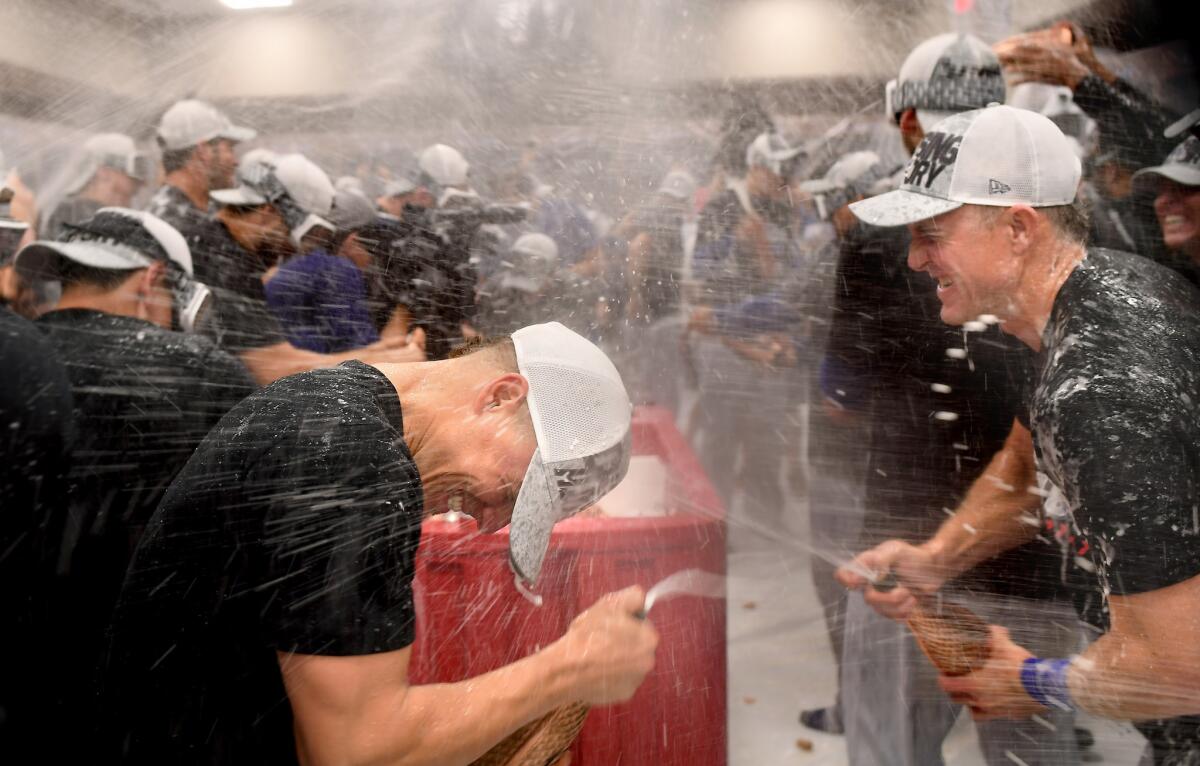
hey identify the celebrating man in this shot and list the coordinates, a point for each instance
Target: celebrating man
(989, 199)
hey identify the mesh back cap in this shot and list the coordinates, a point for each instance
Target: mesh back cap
(581, 419)
(998, 156)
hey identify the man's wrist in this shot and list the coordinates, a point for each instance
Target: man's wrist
(1045, 680)
(559, 672)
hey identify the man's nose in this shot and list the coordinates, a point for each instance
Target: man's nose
(917, 260)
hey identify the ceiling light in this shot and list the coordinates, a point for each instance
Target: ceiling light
(247, 5)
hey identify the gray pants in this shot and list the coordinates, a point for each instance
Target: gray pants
(896, 714)
(835, 511)
(747, 419)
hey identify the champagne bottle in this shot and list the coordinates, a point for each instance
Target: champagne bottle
(955, 639)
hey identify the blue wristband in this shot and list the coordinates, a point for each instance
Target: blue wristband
(1046, 682)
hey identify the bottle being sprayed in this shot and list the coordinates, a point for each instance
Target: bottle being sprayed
(955, 639)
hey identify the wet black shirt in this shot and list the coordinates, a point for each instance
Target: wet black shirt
(1117, 434)
(144, 397)
(293, 528)
(35, 437)
(241, 319)
(1116, 422)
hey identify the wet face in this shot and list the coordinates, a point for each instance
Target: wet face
(223, 164)
(353, 251)
(496, 443)
(966, 254)
(1178, 210)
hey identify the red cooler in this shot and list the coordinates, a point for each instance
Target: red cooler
(472, 620)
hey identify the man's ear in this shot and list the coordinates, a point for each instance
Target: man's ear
(149, 278)
(910, 129)
(503, 394)
(1022, 223)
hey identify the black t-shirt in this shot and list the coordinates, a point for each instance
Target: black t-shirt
(144, 397)
(1117, 434)
(240, 319)
(35, 410)
(173, 206)
(1116, 422)
(293, 528)
(940, 401)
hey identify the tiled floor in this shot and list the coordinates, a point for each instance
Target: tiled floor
(780, 662)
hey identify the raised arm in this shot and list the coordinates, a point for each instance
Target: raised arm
(993, 517)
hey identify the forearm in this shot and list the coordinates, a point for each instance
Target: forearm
(1130, 678)
(442, 724)
(998, 513)
(456, 723)
(269, 363)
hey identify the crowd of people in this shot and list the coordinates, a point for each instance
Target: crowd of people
(226, 414)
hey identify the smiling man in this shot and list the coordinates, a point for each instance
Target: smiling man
(1176, 186)
(989, 199)
(268, 614)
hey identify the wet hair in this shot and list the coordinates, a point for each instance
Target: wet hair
(1072, 222)
(176, 159)
(72, 273)
(501, 347)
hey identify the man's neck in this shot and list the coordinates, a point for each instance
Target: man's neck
(107, 302)
(1034, 299)
(192, 183)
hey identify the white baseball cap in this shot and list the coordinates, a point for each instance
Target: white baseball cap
(192, 122)
(581, 418)
(444, 164)
(114, 150)
(292, 184)
(944, 75)
(854, 174)
(537, 247)
(114, 238)
(254, 164)
(1181, 166)
(998, 156)
(678, 184)
(771, 151)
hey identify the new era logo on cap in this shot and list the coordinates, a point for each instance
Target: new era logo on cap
(962, 159)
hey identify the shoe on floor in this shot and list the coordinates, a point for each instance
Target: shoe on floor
(825, 719)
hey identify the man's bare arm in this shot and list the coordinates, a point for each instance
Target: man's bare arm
(999, 512)
(995, 515)
(356, 711)
(269, 363)
(1148, 664)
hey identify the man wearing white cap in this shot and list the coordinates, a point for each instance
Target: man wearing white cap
(936, 420)
(989, 199)
(144, 396)
(279, 205)
(197, 143)
(268, 616)
(1176, 188)
(110, 173)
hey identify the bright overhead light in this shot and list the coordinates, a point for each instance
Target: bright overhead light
(247, 5)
